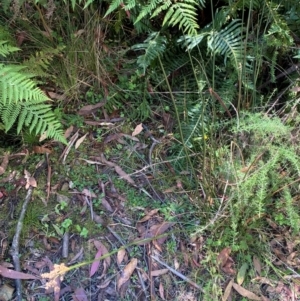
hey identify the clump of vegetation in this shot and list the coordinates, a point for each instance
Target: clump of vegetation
(189, 127)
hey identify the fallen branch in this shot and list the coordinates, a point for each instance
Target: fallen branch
(14, 250)
(15, 247)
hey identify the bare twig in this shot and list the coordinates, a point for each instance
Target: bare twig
(178, 274)
(65, 245)
(15, 247)
(14, 250)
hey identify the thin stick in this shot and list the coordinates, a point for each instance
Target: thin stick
(178, 274)
(14, 250)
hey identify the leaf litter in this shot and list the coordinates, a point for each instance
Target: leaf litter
(149, 233)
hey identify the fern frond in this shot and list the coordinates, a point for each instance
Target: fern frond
(6, 49)
(16, 86)
(115, 4)
(153, 46)
(185, 15)
(228, 42)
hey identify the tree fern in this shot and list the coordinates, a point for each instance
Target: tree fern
(22, 102)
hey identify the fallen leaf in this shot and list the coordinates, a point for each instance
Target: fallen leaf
(57, 96)
(89, 109)
(106, 261)
(120, 256)
(41, 150)
(161, 291)
(88, 193)
(148, 215)
(124, 175)
(223, 256)
(80, 295)
(127, 272)
(5, 272)
(80, 140)
(245, 293)
(138, 129)
(241, 274)
(96, 263)
(30, 180)
(257, 265)
(159, 272)
(227, 291)
(69, 131)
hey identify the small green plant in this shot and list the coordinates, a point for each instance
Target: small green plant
(83, 232)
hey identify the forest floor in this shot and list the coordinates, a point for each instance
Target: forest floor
(111, 195)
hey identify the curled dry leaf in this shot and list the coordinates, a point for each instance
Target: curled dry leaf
(41, 150)
(120, 256)
(124, 175)
(227, 291)
(245, 293)
(69, 131)
(159, 272)
(138, 129)
(89, 109)
(161, 291)
(257, 265)
(80, 140)
(148, 215)
(30, 181)
(127, 272)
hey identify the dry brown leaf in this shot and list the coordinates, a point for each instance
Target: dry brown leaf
(89, 109)
(4, 164)
(80, 295)
(69, 131)
(121, 255)
(5, 272)
(161, 291)
(223, 256)
(80, 140)
(127, 272)
(227, 291)
(100, 246)
(124, 175)
(88, 193)
(57, 96)
(245, 293)
(159, 272)
(257, 265)
(138, 129)
(41, 150)
(148, 215)
(30, 180)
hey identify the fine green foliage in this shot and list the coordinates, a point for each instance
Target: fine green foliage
(262, 178)
(22, 102)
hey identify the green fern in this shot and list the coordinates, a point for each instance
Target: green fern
(22, 102)
(153, 46)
